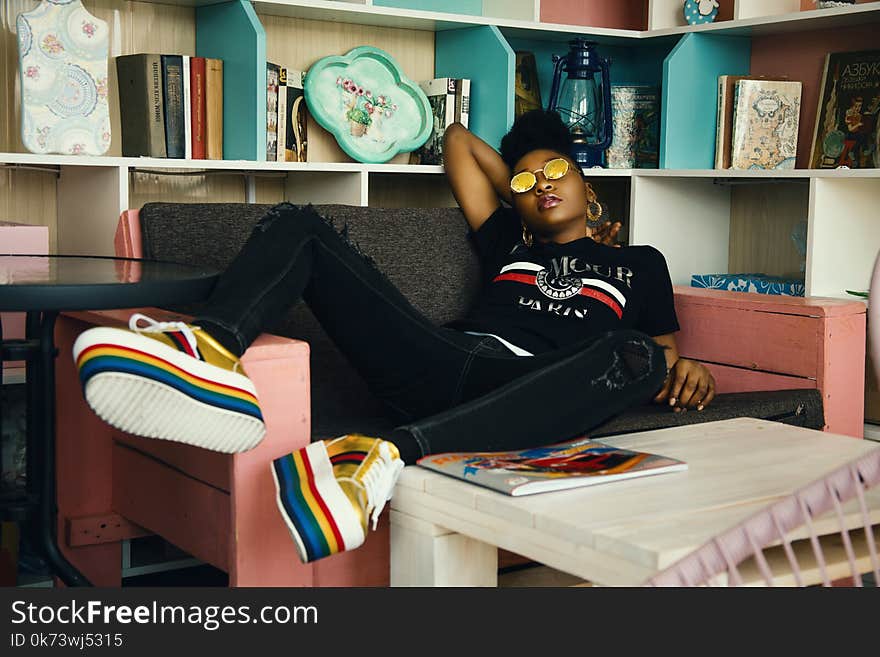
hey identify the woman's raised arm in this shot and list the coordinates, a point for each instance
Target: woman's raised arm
(477, 174)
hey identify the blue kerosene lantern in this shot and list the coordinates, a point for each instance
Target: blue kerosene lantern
(583, 100)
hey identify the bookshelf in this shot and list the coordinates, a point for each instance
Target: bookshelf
(740, 220)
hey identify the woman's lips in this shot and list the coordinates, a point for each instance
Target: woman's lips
(548, 201)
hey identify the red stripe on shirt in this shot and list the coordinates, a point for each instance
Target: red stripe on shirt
(528, 279)
(604, 298)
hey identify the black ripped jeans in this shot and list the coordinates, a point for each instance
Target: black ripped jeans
(458, 392)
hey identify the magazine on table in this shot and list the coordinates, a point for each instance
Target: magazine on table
(571, 464)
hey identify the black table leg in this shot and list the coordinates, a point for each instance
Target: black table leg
(41, 435)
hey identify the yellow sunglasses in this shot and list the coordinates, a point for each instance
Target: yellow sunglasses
(526, 180)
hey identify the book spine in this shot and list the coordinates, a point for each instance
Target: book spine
(281, 128)
(272, 71)
(824, 91)
(187, 108)
(719, 124)
(465, 101)
(740, 122)
(451, 92)
(133, 74)
(214, 108)
(621, 153)
(458, 92)
(156, 107)
(172, 87)
(197, 101)
(297, 119)
(729, 111)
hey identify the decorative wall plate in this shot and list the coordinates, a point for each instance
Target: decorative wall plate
(62, 54)
(698, 12)
(366, 102)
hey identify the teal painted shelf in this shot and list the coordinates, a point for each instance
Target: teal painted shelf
(689, 96)
(483, 55)
(468, 7)
(687, 69)
(232, 31)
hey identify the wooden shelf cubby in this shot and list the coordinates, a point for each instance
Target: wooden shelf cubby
(739, 220)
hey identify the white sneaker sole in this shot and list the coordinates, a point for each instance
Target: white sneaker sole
(320, 517)
(138, 402)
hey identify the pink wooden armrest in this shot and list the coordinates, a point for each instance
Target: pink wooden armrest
(127, 240)
(164, 486)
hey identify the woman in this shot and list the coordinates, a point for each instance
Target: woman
(566, 333)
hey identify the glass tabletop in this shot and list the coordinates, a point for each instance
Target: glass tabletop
(67, 282)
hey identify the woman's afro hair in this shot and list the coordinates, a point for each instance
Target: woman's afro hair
(536, 129)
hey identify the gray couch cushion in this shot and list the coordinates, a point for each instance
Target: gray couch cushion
(212, 234)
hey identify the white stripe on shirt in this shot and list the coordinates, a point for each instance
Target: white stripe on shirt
(519, 351)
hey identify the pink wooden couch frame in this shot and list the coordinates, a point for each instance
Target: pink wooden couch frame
(221, 508)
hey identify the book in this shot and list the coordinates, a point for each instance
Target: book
(724, 115)
(570, 464)
(766, 115)
(465, 102)
(296, 118)
(187, 107)
(724, 119)
(214, 108)
(198, 114)
(635, 120)
(527, 92)
(273, 72)
(441, 97)
(141, 108)
(172, 97)
(281, 130)
(846, 131)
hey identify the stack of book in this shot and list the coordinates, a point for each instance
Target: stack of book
(450, 100)
(286, 115)
(171, 106)
(757, 122)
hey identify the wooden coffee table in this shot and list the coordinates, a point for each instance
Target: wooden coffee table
(446, 532)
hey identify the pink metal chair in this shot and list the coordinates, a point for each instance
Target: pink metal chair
(823, 532)
(789, 541)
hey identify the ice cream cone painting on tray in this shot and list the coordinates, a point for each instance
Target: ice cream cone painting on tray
(372, 109)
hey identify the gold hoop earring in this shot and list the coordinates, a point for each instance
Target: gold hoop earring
(526, 236)
(594, 208)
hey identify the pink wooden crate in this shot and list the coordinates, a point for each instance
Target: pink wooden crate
(765, 342)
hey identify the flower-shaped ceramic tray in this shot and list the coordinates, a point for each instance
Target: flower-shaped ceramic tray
(372, 109)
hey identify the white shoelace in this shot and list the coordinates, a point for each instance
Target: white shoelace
(379, 481)
(162, 327)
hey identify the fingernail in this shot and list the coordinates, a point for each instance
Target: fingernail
(700, 407)
(672, 401)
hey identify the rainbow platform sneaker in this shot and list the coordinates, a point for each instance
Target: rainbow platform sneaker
(169, 380)
(329, 491)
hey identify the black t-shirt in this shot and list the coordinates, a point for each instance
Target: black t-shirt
(550, 295)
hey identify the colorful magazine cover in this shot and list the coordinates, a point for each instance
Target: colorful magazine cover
(846, 132)
(574, 463)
